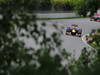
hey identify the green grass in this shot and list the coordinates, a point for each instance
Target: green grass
(94, 46)
(60, 18)
(65, 1)
(60, 0)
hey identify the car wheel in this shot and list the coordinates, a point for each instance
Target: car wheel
(73, 33)
(91, 19)
(79, 35)
(66, 33)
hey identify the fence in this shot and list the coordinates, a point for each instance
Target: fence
(56, 14)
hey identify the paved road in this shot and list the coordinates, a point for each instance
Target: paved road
(70, 43)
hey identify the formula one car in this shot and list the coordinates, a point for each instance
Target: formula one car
(74, 30)
(95, 18)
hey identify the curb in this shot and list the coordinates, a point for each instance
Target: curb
(84, 40)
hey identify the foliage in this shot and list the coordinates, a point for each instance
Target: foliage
(85, 6)
(15, 58)
(96, 39)
(45, 5)
(48, 66)
(67, 6)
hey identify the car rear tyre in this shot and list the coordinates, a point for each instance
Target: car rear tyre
(73, 33)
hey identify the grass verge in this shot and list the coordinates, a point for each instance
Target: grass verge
(60, 18)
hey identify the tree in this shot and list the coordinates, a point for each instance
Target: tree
(85, 6)
(83, 65)
(67, 6)
(45, 5)
(93, 6)
(15, 58)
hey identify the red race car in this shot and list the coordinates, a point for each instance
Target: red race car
(95, 18)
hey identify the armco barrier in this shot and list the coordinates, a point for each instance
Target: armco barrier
(56, 15)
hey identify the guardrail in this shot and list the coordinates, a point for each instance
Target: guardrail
(57, 15)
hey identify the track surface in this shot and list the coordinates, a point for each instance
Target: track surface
(70, 43)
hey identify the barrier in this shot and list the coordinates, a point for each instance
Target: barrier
(56, 15)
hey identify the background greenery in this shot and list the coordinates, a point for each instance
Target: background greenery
(16, 59)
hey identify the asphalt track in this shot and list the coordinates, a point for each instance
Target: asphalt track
(72, 44)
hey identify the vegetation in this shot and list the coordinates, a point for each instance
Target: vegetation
(60, 18)
(45, 5)
(16, 59)
(96, 40)
(85, 6)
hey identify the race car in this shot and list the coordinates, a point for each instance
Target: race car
(95, 18)
(74, 30)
